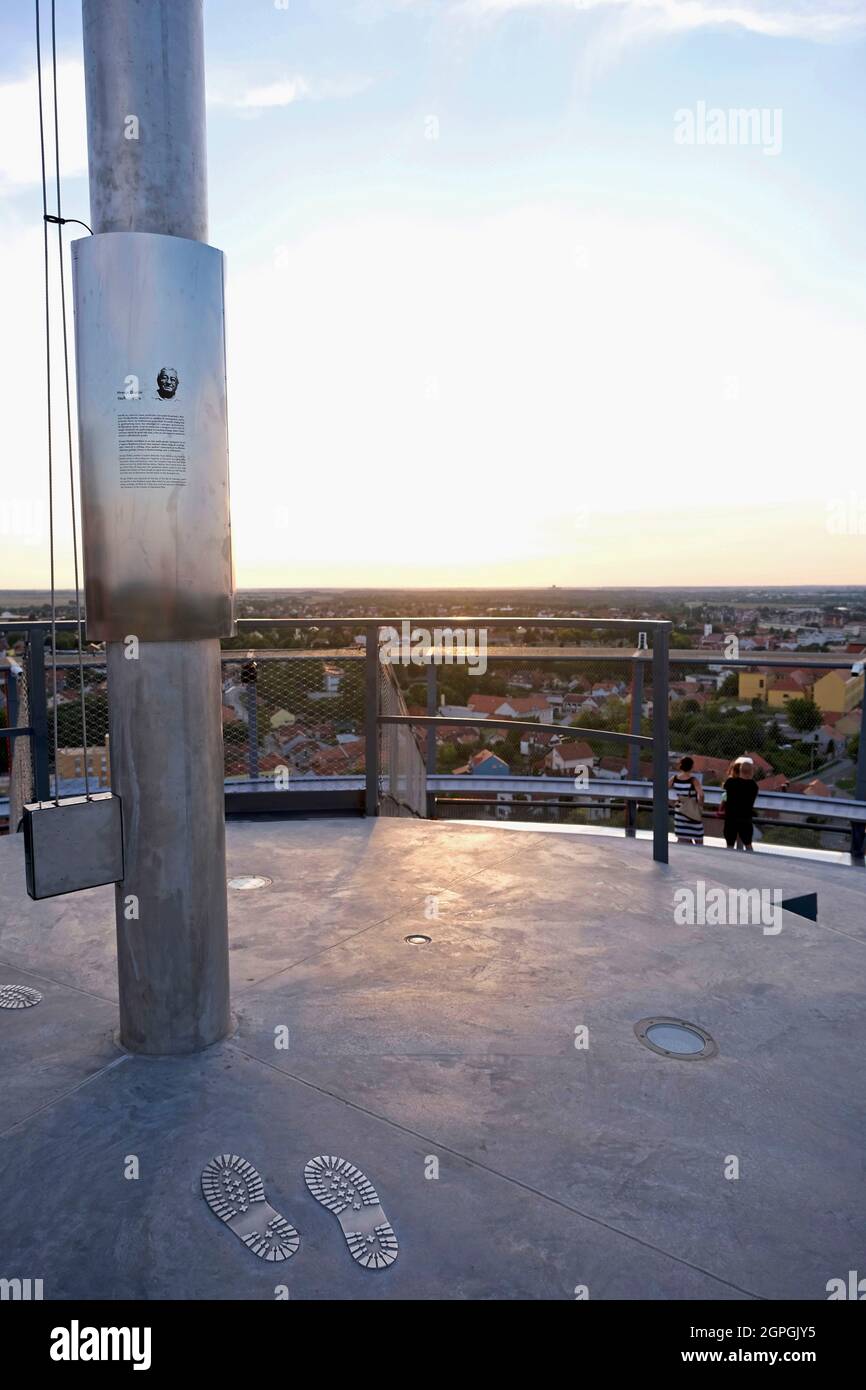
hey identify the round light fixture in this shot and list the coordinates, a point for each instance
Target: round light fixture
(244, 883)
(418, 940)
(675, 1037)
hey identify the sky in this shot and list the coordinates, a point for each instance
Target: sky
(511, 297)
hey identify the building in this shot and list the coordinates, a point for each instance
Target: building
(782, 689)
(484, 705)
(814, 788)
(526, 707)
(484, 764)
(777, 688)
(512, 707)
(70, 764)
(844, 726)
(838, 692)
(569, 758)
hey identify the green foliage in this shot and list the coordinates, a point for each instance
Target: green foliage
(791, 762)
(451, 755)
(717, 733)
(803, 715)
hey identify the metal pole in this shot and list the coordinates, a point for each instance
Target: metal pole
(144, 82)
(252, 720)
(37, 705)
(432, 696)
(11, 683)
(371, 720)
(661, 638)
(634, 748)
(858, 828)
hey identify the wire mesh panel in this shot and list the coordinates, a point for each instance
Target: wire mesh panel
(292, 717)
(295, 718)
(403, 777)
(70, 755)
(20, 753)
(567, 685)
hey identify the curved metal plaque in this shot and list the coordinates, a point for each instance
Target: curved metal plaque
(150, 360)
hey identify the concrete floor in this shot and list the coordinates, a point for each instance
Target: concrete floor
(557, 1167)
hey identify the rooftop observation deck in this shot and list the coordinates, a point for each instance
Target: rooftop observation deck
(558, 1166)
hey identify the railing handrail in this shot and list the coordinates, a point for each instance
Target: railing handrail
(658, 655)
(678, 656)
(479, 721)
(630, 789)
(639, 624)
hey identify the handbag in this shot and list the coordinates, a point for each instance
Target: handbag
(688, 806)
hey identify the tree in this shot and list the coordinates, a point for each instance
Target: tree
(803, 715)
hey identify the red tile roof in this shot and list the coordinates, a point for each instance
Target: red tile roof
(814, 788)
(572, 752)
(526, 704)
(777, 783)
(485, 704)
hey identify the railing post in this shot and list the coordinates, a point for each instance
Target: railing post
(858, 828)
(432, 696)
(11, 683)
(661, 639)
(634, 748)
(371, 719)
(38, 705)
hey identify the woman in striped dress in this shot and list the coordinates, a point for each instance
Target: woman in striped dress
(687, 788)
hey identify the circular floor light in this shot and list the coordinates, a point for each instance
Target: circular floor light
(244, 883)
(18, 997)
(418, 940)
(674, 1037)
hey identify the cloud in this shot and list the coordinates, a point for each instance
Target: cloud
(19, 120)
(284, 93)
(804, 19)
(225, 90)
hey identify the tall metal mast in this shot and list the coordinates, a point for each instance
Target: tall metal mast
(144, 73)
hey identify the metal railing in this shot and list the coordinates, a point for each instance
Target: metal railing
(330, 729)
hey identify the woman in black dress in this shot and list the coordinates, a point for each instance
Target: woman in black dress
(741, 789)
